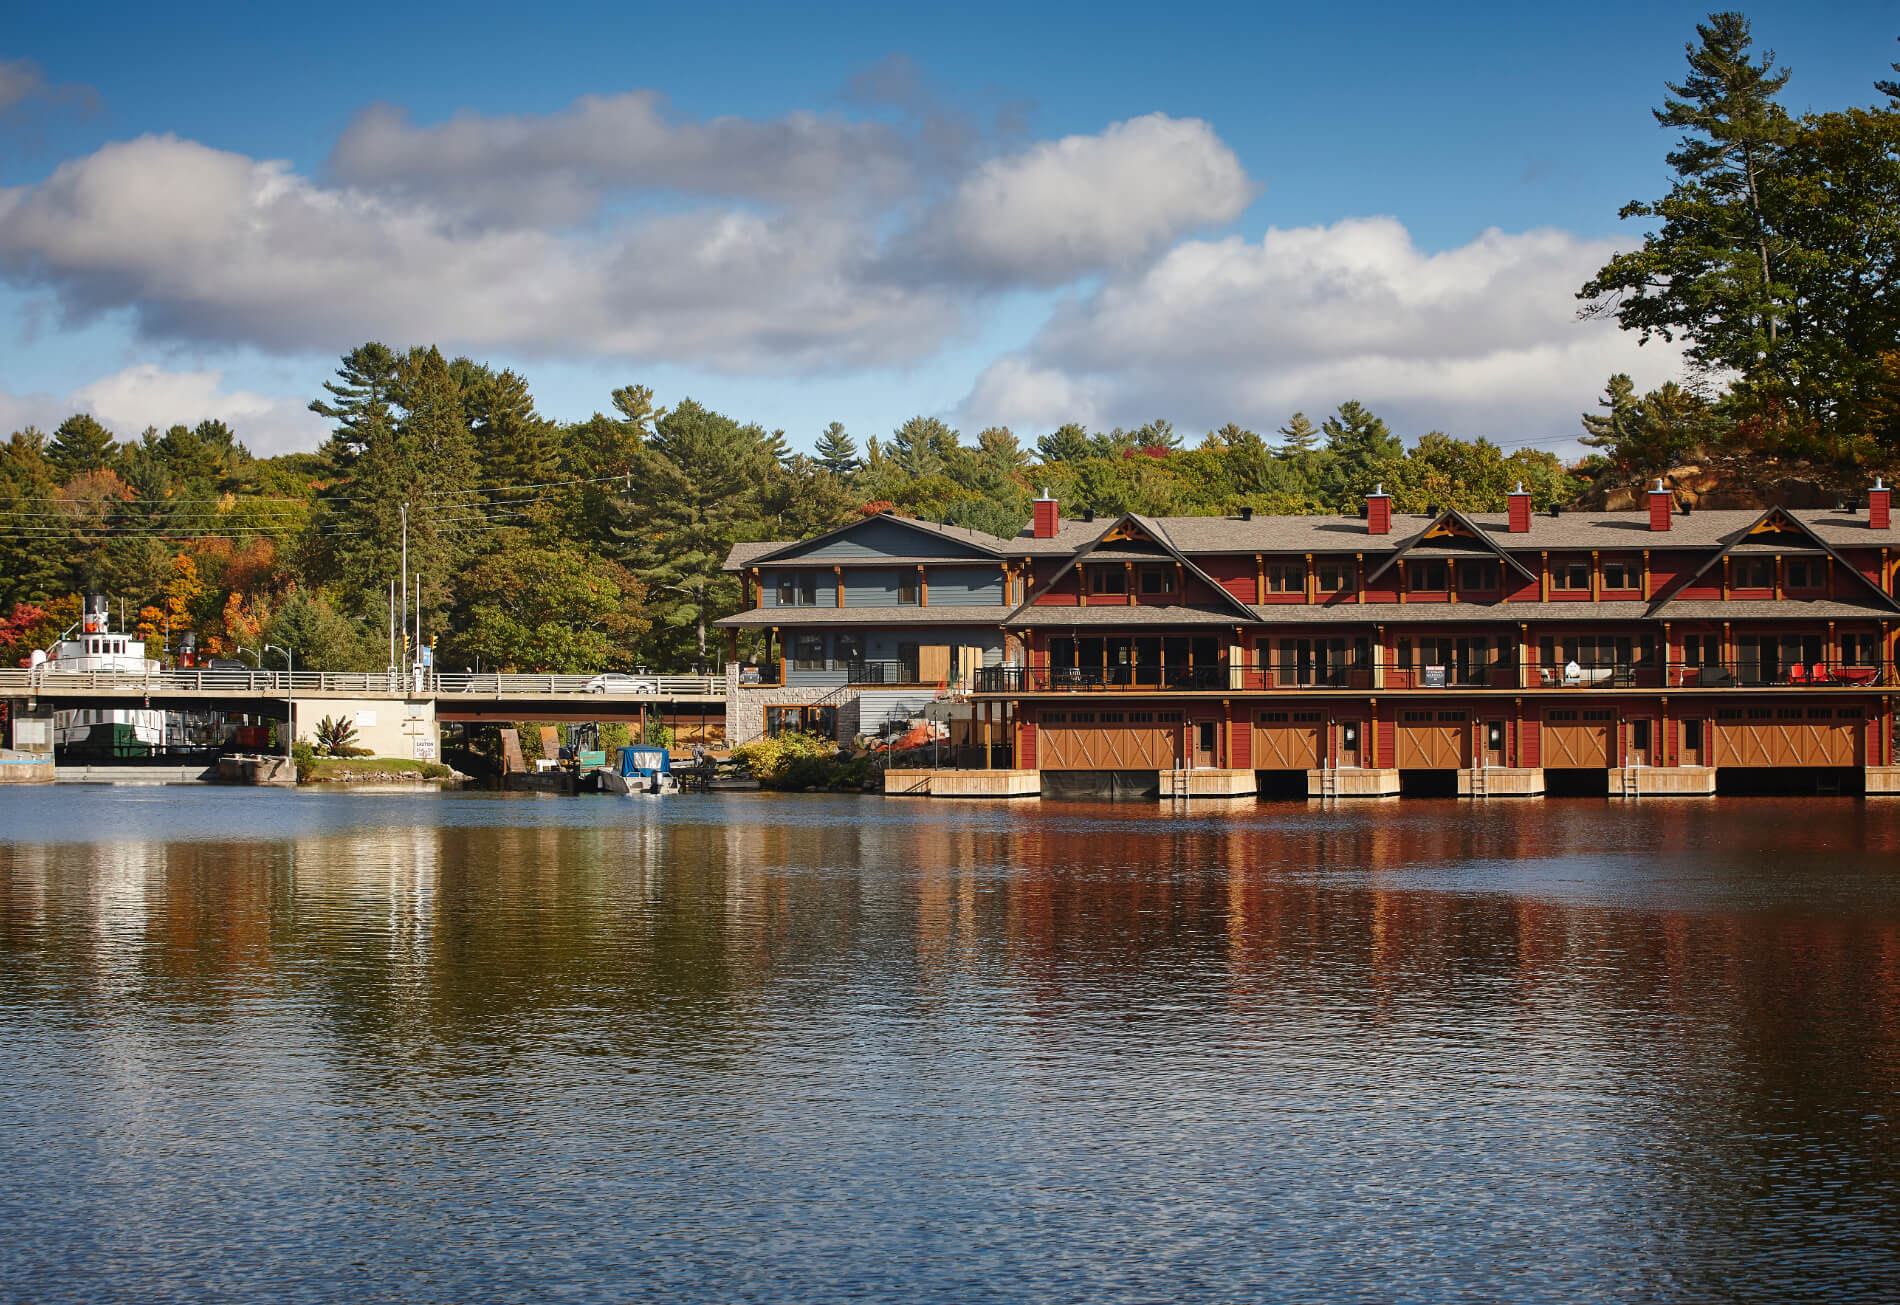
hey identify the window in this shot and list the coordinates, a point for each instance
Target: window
(797, 589)
(1157, 580)
(1333, 576)
(1621, 574)
(1692, 736)
(1802, 573)
(1108, 580)
(849, 646)
(822, 721)
(1427, 577)
(1860, 650)
(1570, 575)
(1639, 734)
(1479, 575)
(1286, 578)
(1751, 573)
(907, 588)
(1701, 650)
(808, 652)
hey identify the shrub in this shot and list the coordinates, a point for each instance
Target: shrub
(336, 736)
(304, 757)
(789, 760)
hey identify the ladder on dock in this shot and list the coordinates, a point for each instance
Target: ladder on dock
(1328, 784)
(1632, 789)
(1479, 788)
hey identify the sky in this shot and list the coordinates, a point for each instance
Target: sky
(993, 214)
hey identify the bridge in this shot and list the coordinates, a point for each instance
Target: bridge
(393, 711)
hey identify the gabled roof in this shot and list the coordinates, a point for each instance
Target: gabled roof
(744, 555)
(1453, 524)
(1780, 521)
(1127, 529)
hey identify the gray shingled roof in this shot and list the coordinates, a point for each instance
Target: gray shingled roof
(1604, 531)
(790, 617)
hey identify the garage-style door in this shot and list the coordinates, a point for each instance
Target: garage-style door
(1577, 739)
(1788, 736)
(1287, 740)
(1109, 740)
(1432, 740)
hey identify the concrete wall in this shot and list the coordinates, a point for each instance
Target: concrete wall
(388, 727)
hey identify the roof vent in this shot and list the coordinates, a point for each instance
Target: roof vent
(1088, 514)
(1556, 510)
(1246, 512)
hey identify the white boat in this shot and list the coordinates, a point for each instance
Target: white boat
(104, 731)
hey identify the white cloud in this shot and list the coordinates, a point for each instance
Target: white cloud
(560, 167)
(127, 402)
(815, 245)
(19, 78)
(1063, 209)
(1480, 339)
(207, 246)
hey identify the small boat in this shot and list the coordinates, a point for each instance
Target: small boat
(646, 770)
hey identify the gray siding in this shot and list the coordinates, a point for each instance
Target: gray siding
(870, 587)
(965, 586)
(880, 537)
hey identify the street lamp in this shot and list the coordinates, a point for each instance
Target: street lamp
(290, 694)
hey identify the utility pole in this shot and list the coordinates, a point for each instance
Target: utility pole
(405, 569)
(392, 625)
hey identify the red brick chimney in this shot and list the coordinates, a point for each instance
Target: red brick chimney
(1379, 511)
(1519, 501)
(1662, 506)
(1048, 516)
(1879, 506)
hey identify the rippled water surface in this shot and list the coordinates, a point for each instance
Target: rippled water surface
(297, 1046)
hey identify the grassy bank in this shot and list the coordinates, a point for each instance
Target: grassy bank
(367, 770)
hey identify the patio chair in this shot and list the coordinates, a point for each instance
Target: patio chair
(1818, 675)
(1797, 674)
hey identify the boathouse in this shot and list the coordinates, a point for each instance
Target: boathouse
(1650, 652)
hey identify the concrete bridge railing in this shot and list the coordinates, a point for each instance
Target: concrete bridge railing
(355, 684)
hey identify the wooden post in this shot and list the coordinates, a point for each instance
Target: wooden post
(838, 574)
(1128, 583)
(1778, 577)
(1309, 578)
(1260, 576)
(923, 586)
(1725, 569)
(986, 736)
(1596, 571)
(1646, 593)
(1543, 577)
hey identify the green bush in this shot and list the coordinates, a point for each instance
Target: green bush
(304, 757)
(789, 760)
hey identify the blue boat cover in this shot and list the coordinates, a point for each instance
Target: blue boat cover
(644, 760)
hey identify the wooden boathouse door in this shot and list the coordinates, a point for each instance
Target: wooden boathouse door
(1287, 741)
(1432, 740)
(1576, 740)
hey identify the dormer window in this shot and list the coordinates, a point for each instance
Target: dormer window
(1432, 577)
(1157, 580)
(1286, 578)
(1108, 580)
(1570, 575)
(1619, 574)
(1752, 573)
(1331, 577)
(1478, 575)
(907, 588)
(1802, 573)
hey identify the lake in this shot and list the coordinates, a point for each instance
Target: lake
(323, 1046)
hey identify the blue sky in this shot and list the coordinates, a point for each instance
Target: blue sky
(1104, 212)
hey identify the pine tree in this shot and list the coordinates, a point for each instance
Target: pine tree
(697, 491)
(838, 452)
(365, 382)
(1066, 443)
(1612, 426)
(80, 444)
(1298, 436)
(922, 445)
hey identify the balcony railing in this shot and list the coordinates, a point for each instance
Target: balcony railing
(1419, 674)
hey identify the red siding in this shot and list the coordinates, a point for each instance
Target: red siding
(1529, 746)
(1028, 760)
(1242, 731)
(1236, 575)
(1385, 737)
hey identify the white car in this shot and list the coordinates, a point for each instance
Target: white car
(616, 682)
